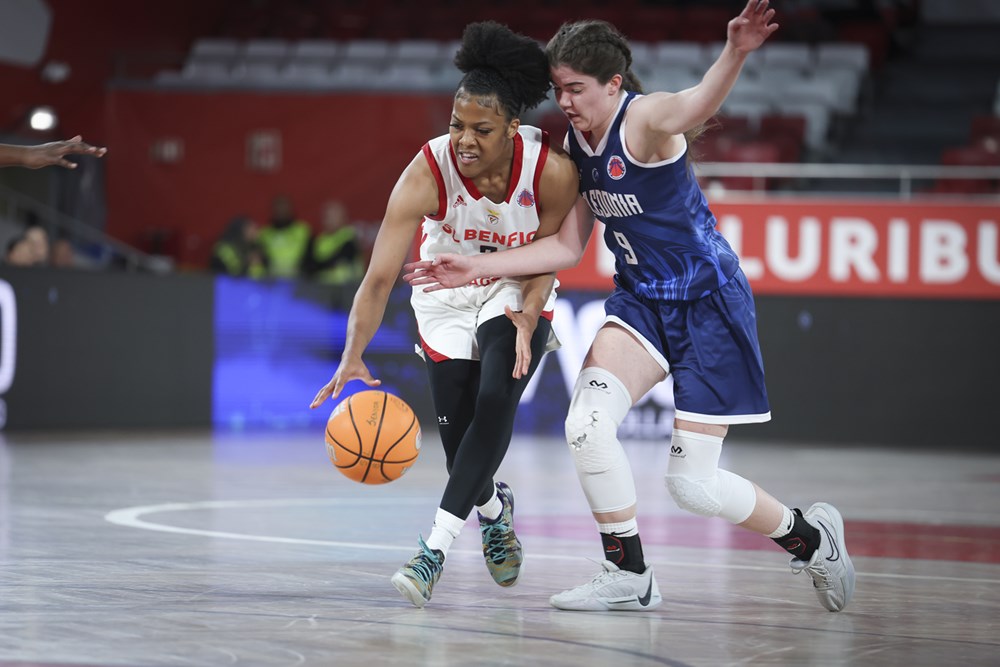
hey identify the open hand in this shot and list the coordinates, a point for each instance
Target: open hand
(445, 271)
(54, 153)
(752, 27)
(349, 369)
(522, 346)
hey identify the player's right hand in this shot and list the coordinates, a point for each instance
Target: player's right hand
(353, 369)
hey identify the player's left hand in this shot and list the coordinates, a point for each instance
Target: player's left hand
(447, 270)
(522, 346)
(752, 27)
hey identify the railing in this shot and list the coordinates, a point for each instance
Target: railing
(898, 179)
(12, 203)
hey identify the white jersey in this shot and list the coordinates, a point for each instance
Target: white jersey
(468, 223)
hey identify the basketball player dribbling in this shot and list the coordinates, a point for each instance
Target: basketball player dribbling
(488, 185)
(681, 305)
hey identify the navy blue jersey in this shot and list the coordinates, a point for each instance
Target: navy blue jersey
(657, 222)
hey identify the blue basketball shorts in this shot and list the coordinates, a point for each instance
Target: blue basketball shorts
(709, 345)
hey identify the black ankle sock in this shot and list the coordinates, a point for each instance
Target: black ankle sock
(803, 541)
(625, 552)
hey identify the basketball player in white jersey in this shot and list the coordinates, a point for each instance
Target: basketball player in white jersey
(681, 305)
(489, 185)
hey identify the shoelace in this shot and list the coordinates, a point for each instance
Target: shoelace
(425, 565)
(606, 576)
(495, 542)
(817, 572)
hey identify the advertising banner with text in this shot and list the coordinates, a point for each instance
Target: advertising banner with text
(847, 248)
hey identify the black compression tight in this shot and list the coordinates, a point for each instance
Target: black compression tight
(476, 402)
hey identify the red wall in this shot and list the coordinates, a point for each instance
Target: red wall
(89, 37)
(346, 147)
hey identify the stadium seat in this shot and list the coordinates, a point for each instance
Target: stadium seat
(968, 156)
(847, 82)
(816, 91)
(421, 51)
(406, 76)
(371, 51)
(274, 50)
(752, 110)
(786, 132)
(314, 50)
(795, 55)
(688, 55)
(643, 54)
(749, 151)
(215, 48)
(355, 74)
(984, 127)
(842, 54)
(817, 120)
(777, 78)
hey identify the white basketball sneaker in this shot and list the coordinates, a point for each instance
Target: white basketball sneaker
(612, 590)
(830, 567)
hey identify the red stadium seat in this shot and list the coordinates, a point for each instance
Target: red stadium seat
(787, 132)
(751, 151)
(984, 127)
(969, 156)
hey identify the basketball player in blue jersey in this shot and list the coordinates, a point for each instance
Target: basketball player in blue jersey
(681, 305)
(488, 185)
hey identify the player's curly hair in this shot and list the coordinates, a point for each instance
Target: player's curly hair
(501, 64)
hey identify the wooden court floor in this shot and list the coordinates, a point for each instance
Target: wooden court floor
(149, 549)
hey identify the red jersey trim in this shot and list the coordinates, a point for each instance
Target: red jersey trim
(547, 314)
(542, 155)
(442, 193)
(515, 170)
(434, 355)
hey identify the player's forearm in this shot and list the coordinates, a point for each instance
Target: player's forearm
(704, 100)
(12, 156)
(540, 256)
(535, 293)
(365, 317)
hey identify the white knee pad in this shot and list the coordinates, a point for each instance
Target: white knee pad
(600, 403)
(698, 485)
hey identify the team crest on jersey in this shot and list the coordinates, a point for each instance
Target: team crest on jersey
(616, 167)
(526, 199)
(459, 201)
(493, 217)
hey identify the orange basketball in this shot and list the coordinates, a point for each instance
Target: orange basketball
(373, 437)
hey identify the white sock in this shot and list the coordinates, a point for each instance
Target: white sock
(785, 527)
(446, 528)
(620, 529)
(492, 509)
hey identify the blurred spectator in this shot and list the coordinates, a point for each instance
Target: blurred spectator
(64, 255)
(334, 255)
(285, 239)
(38, 238)
(238, 251)
(20, 252)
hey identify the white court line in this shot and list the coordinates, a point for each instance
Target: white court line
(130, 517)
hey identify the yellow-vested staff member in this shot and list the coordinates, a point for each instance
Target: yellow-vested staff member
(334, 256)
